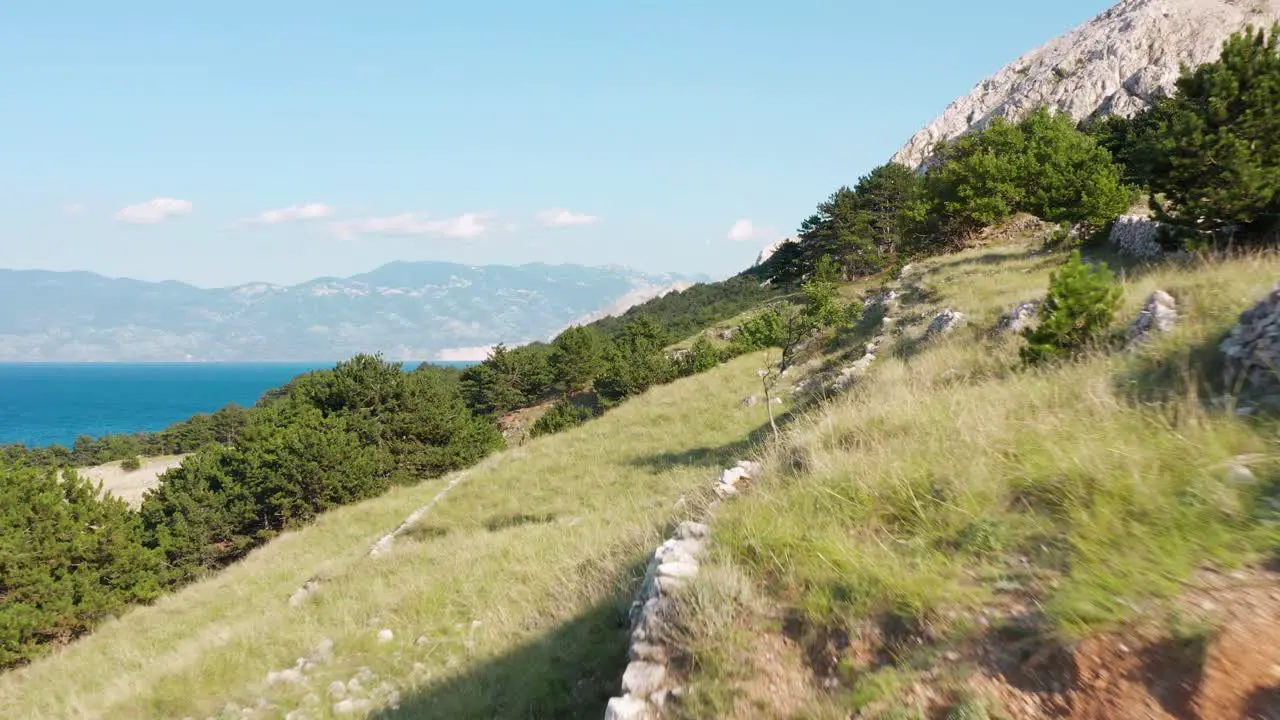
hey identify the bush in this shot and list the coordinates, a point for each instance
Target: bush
(635, 361)
(1213, 149)
(701, 356)
(1081, 306)
(578, 358)
(1042, 165)
(508, 379)
(68, 558)
(562, 416)
(131, 463)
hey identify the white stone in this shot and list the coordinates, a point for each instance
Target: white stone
(678, 569)
(1019, 317)
(1137, 236)
(337, 690)
(292, 675)
(945, 321)
(731, 476)
(643, 678)
(1158, 315)
(351, 706)
(649, 652)
(689, 530)
(385, 635)
(300, 595)
(628, 708)
(1115, 63)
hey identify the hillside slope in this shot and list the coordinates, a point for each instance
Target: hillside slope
(1112, 64)
(503, 601)
(957, 536)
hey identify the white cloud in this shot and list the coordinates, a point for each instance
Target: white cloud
(154, 210)
(466, 225)
(464, 354)
(743, 230)
(557, 217)
(73, 208)
(309, 211)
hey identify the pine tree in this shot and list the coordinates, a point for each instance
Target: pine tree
(1213, 149)
(1081, 306)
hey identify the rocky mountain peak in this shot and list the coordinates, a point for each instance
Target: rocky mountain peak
(1113, 64)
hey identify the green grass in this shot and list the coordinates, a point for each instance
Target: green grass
(516, 582)
(952, 479)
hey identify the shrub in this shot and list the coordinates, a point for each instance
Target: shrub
(131, 463)
(701, 356)
(1213, 149)
(562, 416)
(1081, 306)
(68, 557)
(1042, 165)
(578, 358)
(635, 361)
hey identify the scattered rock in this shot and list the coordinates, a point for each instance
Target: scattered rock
(643, 678)
(628, 708)
(337, 690)
(1159, 314)
(648, 652)
(421, 641)
(1019, 318)
(689, 530)
(945, 321)
(292, 675)
(323, 651)
(300, 595)
(1137, 237)
(680, 570)
(352, 706)
(385, 635)
(750, 401)
(1252, 352)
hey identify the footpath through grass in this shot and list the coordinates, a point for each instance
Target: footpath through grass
(506, 601)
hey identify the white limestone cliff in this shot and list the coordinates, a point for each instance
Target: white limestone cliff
(1113, 64)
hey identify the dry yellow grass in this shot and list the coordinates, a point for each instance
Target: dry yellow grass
(515, 584)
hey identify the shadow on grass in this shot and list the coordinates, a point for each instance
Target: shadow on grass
(569, 672)
(713, 458)
(1158, 376)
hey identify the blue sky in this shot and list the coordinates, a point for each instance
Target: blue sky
(283, 140)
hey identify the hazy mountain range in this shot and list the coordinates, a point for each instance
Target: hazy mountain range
(407, 310)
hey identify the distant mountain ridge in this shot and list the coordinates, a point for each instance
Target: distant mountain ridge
(1113, 64)
(406, 310)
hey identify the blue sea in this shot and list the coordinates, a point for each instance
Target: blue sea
(45, 403)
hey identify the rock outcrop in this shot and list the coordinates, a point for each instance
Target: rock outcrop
(1159, 314)
(944, 322)
(1252, 352)
(1019, 318)
(770, 249)
(1137, 237)
(1113, 64)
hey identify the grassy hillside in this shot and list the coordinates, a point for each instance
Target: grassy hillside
(903, 533)
(504, 601)
(953, 506)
